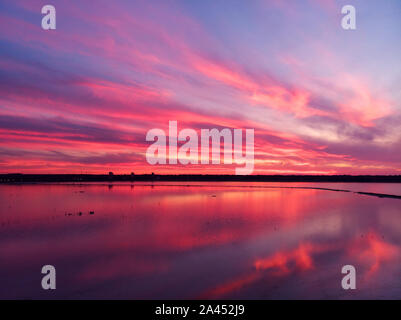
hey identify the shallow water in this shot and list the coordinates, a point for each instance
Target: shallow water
(200, 240)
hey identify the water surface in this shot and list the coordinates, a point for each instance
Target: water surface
(199, 240)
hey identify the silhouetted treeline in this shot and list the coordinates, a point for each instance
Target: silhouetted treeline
(38, 178)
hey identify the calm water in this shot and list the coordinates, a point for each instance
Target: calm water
(205, 240)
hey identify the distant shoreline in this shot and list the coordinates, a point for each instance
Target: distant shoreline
(38, 178)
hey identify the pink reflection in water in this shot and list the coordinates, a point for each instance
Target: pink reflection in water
(373, 252)
(206, 240)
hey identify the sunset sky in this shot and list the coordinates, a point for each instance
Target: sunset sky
(81, 98)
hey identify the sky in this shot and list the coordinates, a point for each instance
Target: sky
(81, 98)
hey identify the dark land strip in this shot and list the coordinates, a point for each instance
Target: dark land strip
(40, 178)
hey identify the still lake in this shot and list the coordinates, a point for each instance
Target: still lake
(200, 240)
